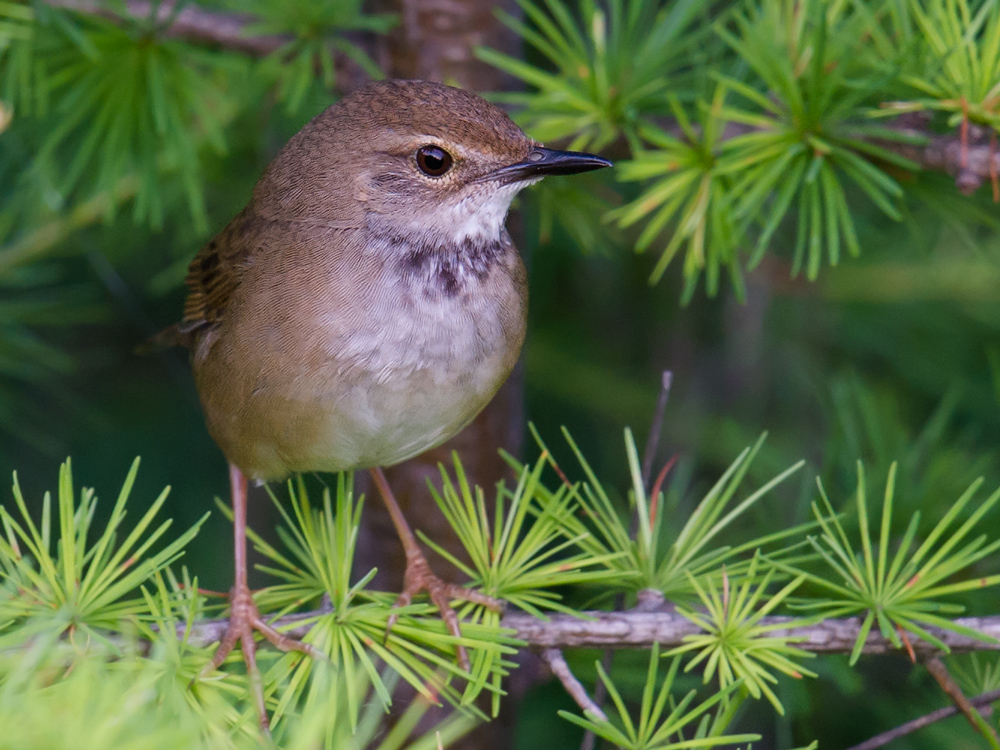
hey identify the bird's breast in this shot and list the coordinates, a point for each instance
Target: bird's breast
(395, 366)
(452, 315)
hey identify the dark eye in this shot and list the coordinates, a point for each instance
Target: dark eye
(433, 161)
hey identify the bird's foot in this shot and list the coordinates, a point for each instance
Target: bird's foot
(244, 619)
(419, 577)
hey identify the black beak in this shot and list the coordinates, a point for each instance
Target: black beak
(542, 162)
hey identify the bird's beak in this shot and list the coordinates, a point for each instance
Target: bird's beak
(542, 162)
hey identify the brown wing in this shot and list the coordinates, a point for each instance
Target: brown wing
(215, 273)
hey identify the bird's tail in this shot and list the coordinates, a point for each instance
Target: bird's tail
(179, 334)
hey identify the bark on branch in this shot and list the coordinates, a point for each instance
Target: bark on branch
(557, 664)
(218, 29)
(972, 159)
(638, 629)
(635, 629)
(192, 23)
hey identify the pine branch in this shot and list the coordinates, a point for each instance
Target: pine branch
(192, 23)
(981, 702)
(971, 157)
(224, 30)
(947, 683)
(557, 663)
(642, 629)
(639, 629)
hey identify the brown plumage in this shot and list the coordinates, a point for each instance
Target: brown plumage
(367, 303)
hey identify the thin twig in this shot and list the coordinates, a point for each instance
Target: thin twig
(652, 445)
(656, 428)
(969, 156)
(554, 658)
(192, 23)
(589, 740)
(218, 29)
(981, 702)
(940, 673)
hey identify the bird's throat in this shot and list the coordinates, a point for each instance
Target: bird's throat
(449, 268)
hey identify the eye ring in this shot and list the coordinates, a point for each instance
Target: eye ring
(433, 161)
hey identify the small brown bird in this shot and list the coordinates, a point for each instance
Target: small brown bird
(365, 305)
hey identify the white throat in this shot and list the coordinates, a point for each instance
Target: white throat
(477, 218)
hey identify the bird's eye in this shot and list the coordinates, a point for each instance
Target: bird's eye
(433, 161)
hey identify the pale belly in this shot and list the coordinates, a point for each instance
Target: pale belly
(386, 421)
(371, 389)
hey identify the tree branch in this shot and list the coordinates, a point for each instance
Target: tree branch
(638, 629)
(554, 658)
(219, 29)
(880, 740)
(947, 683)
(972, 161)
(191, 23)
(641, 629)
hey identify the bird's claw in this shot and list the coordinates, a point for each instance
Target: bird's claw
(245, 618)
(419, 577)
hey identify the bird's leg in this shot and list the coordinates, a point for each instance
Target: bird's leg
(244, 617)
(419, 576)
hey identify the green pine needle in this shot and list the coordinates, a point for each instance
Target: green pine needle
(687, 194)
(320, 547)
(519, 556)
(735, 646)
(74, 584)
(612, 61)
(902, 590)
(652, 559)
(663, 722)
(959, 61)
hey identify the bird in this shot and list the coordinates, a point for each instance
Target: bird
(363, 307)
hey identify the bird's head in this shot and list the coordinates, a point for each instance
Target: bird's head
(411, 156)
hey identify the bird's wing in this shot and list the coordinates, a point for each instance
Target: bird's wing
(212, 277)
(220, 267)
(216, 272)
